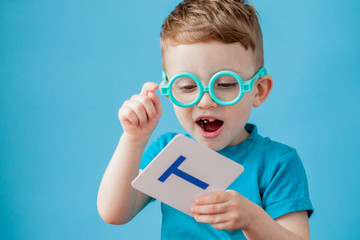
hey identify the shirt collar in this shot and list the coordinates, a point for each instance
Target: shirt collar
(250, 128)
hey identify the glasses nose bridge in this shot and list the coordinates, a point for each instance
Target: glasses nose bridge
(206, 88)
(206, 101)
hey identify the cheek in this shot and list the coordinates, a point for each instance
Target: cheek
(246, 102)
(241, 111)
(182, 114)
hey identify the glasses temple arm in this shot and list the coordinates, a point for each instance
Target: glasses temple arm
(247, 86)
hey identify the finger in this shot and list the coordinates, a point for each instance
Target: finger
(139, 110)
(210, 209)
(212, 198)
(157, 102)
(148, 87)
(148, 105)
(127, 114)
(212, 219)
(224, 226)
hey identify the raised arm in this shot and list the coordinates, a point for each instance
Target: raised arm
(117, 201)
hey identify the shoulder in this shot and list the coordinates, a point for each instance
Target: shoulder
(278, 150)
(273, 151)
(281, 176)
(155, 147)
(265, 147)
(161, 141)
(164, 139)
(280, 164)
(283, 186)
(272, 157)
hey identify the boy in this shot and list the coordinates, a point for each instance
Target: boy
(216, 43)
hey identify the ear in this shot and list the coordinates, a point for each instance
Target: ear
(263, 87)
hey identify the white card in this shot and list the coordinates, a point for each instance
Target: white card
(184, 170)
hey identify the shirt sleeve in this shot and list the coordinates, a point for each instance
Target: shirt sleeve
(287, 190)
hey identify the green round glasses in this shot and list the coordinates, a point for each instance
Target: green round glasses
(225, 87)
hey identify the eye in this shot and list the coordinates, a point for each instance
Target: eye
(185, 85)
(227, 85)
(226, 82)
(189, 87)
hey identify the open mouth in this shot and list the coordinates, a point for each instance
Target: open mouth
(209, 124)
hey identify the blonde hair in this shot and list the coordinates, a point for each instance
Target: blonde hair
(226, 21)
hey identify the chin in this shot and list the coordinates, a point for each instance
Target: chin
(215, 145)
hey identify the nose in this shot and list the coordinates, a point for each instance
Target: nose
(206, 101)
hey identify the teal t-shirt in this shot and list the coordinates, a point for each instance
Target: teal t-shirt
(273, 178)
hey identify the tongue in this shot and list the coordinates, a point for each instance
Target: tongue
(212, 126)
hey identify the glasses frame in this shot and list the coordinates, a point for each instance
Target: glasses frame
(245, 86)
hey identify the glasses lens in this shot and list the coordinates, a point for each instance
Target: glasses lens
(185, 90)
(226, 88)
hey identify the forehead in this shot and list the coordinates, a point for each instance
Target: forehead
(207, 58)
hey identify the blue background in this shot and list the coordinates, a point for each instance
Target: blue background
(67, 66)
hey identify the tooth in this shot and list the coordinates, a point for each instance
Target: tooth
(201, 124)
(211, 120)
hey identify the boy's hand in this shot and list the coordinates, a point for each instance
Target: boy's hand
(140, 114)
(227, 210)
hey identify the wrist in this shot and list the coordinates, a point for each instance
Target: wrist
(134, 140)
(255, 216)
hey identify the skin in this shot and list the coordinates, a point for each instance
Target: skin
(139, 116)
(204, 60)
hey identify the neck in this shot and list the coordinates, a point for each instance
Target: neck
(243, 135)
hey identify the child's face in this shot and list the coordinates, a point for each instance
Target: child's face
(209, 123)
